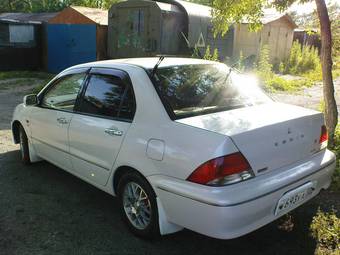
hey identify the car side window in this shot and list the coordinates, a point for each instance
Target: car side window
(108, 96)
(64, 92)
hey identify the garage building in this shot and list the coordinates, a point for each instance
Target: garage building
(73, 36)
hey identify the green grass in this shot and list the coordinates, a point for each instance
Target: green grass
(325, 228)
(25, 74)
(277, 83)
(12, 79)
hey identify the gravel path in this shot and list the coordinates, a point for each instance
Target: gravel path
(44, 210)
(309, 97)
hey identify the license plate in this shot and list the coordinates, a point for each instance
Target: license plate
(294, 197)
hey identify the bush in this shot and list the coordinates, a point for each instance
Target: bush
(325, 228)
(302, 59)
(264, 67)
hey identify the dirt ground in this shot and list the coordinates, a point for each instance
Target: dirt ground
(309, 97)
(44, 210)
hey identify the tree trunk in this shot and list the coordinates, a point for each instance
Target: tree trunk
(331, 111)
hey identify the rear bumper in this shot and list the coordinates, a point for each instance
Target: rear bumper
(232, 211)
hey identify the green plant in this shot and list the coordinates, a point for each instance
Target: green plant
(302, 59)
(209, 56)
(336, 149)
(325, 228)
(264, 67)
(276, 83)
(25, 74)
(282, 67)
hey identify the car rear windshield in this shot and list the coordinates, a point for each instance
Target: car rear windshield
(191, 90)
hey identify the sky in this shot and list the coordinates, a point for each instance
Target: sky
(307, 7)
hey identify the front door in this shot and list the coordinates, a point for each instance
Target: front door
(49, 121)
(100, 123)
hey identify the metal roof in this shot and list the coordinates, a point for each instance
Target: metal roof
(192, 9)
(168, 7)
(99, 16)
(31, 18)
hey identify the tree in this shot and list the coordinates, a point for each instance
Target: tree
(310, 21)
(50, 5)
(228, 12)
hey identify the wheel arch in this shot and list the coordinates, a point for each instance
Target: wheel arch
(121, 171)
(16, 131)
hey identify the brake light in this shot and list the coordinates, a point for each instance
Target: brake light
(323, 137)
(222, 171)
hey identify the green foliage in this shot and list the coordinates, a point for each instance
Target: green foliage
(282, 67)
(264, 67)
(209, 56)
(273, 82)
(229, 12)
(311, 21)
(25, 74)
(336, 149)
(325, 228)
(302, 59)
(50, 5)
(276, 83)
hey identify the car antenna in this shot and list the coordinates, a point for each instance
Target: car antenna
(154, 70)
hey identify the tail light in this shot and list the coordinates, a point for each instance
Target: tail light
(323, 137)
(222, 171)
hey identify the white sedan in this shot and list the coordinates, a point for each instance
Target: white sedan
(183, 143)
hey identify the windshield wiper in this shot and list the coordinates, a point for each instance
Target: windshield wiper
(154, 70)
(232, 67)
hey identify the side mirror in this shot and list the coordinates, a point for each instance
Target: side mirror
(30, 100)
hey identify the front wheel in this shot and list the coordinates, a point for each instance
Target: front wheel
(24, 149)
(138, 205)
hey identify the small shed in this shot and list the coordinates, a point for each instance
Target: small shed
(21, 40)
(172, 27)
(277, 32)
(309, 37)
(140, 28)
(75, 35)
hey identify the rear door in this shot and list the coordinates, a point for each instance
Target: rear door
(49, 121)
(103, 116)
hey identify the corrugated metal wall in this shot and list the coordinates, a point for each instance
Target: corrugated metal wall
(70, 44)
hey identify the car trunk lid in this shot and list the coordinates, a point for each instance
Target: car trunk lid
(270, 135)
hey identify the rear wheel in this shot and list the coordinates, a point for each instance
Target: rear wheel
(24, 149)
(138, 205)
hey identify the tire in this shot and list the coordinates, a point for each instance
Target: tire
(24, 149)
(141, 216)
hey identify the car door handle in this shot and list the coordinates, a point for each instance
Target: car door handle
(113, 132)
(62, 120)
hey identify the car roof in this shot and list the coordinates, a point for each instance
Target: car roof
(147, 63)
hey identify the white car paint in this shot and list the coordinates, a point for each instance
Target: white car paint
(278, 141)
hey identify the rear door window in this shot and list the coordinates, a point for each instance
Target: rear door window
(108, 96)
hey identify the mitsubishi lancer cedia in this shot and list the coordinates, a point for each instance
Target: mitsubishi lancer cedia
(183, 143)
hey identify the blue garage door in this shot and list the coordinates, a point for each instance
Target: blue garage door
(69, 45)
